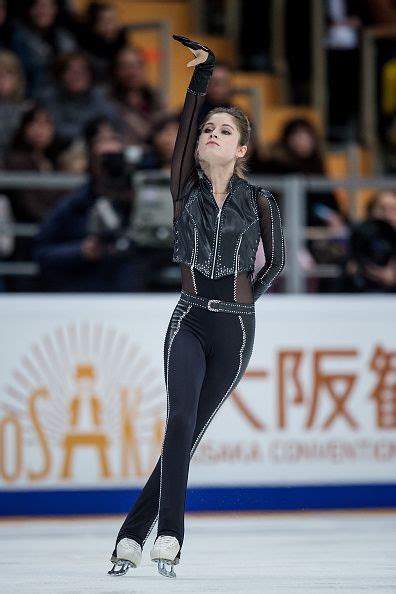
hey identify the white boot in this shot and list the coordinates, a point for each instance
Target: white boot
(164, 552)
(129, 554)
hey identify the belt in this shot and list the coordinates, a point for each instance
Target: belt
(217, 304)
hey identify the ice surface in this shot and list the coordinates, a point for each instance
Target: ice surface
(245, 554)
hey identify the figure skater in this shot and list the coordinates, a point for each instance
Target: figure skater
(218, 220)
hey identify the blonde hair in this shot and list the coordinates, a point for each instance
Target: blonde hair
(244, 129)
(11, 63)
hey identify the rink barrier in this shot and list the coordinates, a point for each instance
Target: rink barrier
(202, 499)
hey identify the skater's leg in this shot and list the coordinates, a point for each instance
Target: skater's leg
(225, 367)
(184, 366)
(144, 512)
(230, 354)
(186, 371)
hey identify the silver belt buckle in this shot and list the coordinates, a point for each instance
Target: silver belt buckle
(213, 301)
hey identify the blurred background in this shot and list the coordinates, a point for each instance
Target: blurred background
(90, 95)
(90, 99)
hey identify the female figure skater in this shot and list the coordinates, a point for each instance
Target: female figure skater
(218, 220)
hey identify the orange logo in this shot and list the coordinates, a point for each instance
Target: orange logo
(82, 391)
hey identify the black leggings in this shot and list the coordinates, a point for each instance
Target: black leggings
(205, 356)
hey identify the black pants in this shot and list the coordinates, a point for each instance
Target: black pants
(205, 356)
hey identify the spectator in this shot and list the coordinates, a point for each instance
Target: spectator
(135, 101)
(75, 100)
(219, 90)
(345, 20)
(12, 95)
(34, 148)
(299, 150)
(298, 47)
(40, 40)
(73, 255)
(382, 206)
(162, 141)
(371, 264)
(102, 36)
(162, 274)
(257, 157)
(7, 238)
(8, 32)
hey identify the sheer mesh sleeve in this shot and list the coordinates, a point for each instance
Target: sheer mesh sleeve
(273, 242)
(184, 173)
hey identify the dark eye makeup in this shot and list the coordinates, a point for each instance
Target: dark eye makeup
(223, 131)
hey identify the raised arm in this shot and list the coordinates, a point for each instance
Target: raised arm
(183, 169)
(273, 242)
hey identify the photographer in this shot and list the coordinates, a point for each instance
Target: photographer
(83, 244)
(371, 265)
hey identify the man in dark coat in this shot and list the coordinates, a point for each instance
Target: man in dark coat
(73, 257)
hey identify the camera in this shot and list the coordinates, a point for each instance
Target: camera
(373, 242)
(110, 217)
(134, 209)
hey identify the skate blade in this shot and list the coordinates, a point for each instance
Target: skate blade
(165, 567)
(125, 565)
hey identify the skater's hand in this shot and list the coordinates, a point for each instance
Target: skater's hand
(202, 53)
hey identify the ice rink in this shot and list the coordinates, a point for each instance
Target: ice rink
(316, 552)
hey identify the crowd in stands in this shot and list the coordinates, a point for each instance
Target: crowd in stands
(74, 98)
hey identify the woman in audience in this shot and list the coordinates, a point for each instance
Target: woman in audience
(40, 40)
(75, 100)
(102, 36)
(137, 103)
(299, 151)
(34, 148)
(12, 95)
(162, 142)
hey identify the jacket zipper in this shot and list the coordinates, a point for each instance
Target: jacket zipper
(217, 239)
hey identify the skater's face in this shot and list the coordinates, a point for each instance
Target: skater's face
(219, 140)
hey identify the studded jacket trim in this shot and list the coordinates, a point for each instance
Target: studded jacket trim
(220, 241)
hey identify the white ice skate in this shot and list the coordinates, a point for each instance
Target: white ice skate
(164, 553)
(129, 554)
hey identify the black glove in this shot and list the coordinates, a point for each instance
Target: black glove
(210, 60)
(203, 71)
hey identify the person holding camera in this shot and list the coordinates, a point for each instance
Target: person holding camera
(371, 263)
(85, 243)
(218, 220)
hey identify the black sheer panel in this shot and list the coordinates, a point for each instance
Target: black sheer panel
(187, 279)
(184, 173)
(273, 242)
(226, 288)
(243, 288)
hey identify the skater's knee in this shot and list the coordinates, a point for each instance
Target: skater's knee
(181, 422)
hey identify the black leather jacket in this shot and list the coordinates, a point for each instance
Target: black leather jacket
(220, 241)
